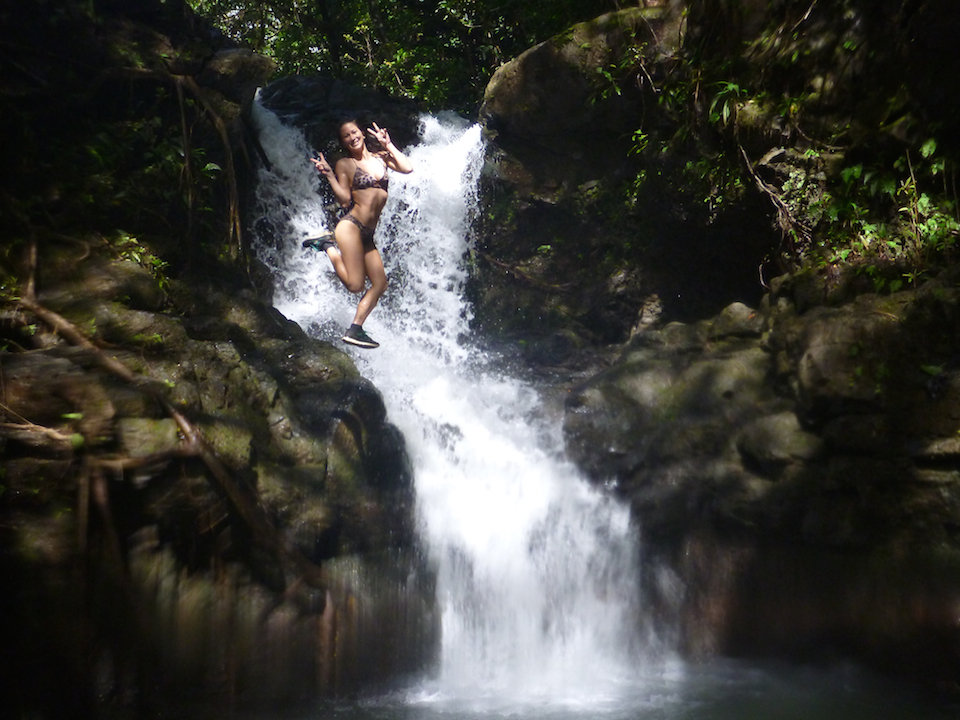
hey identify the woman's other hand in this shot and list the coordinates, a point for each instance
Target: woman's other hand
(380, 135)
(395, 159)
(322, 165)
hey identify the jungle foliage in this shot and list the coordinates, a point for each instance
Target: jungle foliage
(824, 109)
(439, 52)
(113, 150)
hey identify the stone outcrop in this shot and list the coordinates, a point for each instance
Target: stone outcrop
(797, 471)
(316, 104)
(571, 256)
(558, 114)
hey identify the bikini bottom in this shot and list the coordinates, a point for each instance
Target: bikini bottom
(366, 233)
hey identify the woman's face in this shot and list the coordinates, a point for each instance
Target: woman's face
(351, 137)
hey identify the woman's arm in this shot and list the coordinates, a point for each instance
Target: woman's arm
(394, 159)
(339, 181)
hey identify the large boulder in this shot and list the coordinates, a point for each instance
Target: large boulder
(564, 112)
(305, 518)
(584, 238)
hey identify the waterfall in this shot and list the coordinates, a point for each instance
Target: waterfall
(536, 569)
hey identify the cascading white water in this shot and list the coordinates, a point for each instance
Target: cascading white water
(537, 575)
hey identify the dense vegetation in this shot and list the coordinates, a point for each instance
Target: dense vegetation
(863, 167)
(112, 145)
(441, 52)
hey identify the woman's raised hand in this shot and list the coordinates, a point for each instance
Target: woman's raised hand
(322, 165)
(380, 134)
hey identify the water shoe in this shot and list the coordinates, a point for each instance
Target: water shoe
(321, 242)
(356, 336)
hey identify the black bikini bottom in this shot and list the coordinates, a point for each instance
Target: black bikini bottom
(366, 233)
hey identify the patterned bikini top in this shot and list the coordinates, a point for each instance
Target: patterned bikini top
(362, 180)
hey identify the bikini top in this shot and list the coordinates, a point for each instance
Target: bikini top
(362, 180)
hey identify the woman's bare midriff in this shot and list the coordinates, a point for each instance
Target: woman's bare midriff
(367, 205)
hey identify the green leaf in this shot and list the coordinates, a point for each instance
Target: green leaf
(851, 173)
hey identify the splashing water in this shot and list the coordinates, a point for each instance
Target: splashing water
(536, 569)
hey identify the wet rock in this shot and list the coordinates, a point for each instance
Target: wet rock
(859, 434)
(316, 103)
(121, 325)
(776, 440)
(736, 319)
(788, 435)
(145, 436)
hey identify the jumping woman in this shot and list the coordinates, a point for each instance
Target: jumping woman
(359, 182)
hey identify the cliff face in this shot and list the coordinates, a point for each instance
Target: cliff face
(662, 162)
(592, 227)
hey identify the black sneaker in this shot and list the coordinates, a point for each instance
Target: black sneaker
(356, 336)
(321, 242)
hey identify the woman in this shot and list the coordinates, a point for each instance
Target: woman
(359, 183)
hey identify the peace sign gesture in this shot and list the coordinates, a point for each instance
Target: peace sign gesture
(380, 135)
(320, 162)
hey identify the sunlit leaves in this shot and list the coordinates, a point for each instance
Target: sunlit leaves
(440, 52)
(725, 102)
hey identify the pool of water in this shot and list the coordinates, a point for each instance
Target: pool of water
(719, 690)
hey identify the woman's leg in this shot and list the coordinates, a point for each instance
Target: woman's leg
(373, 268)
(348, 263)
(354, 264)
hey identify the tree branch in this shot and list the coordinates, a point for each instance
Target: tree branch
(522, 275)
